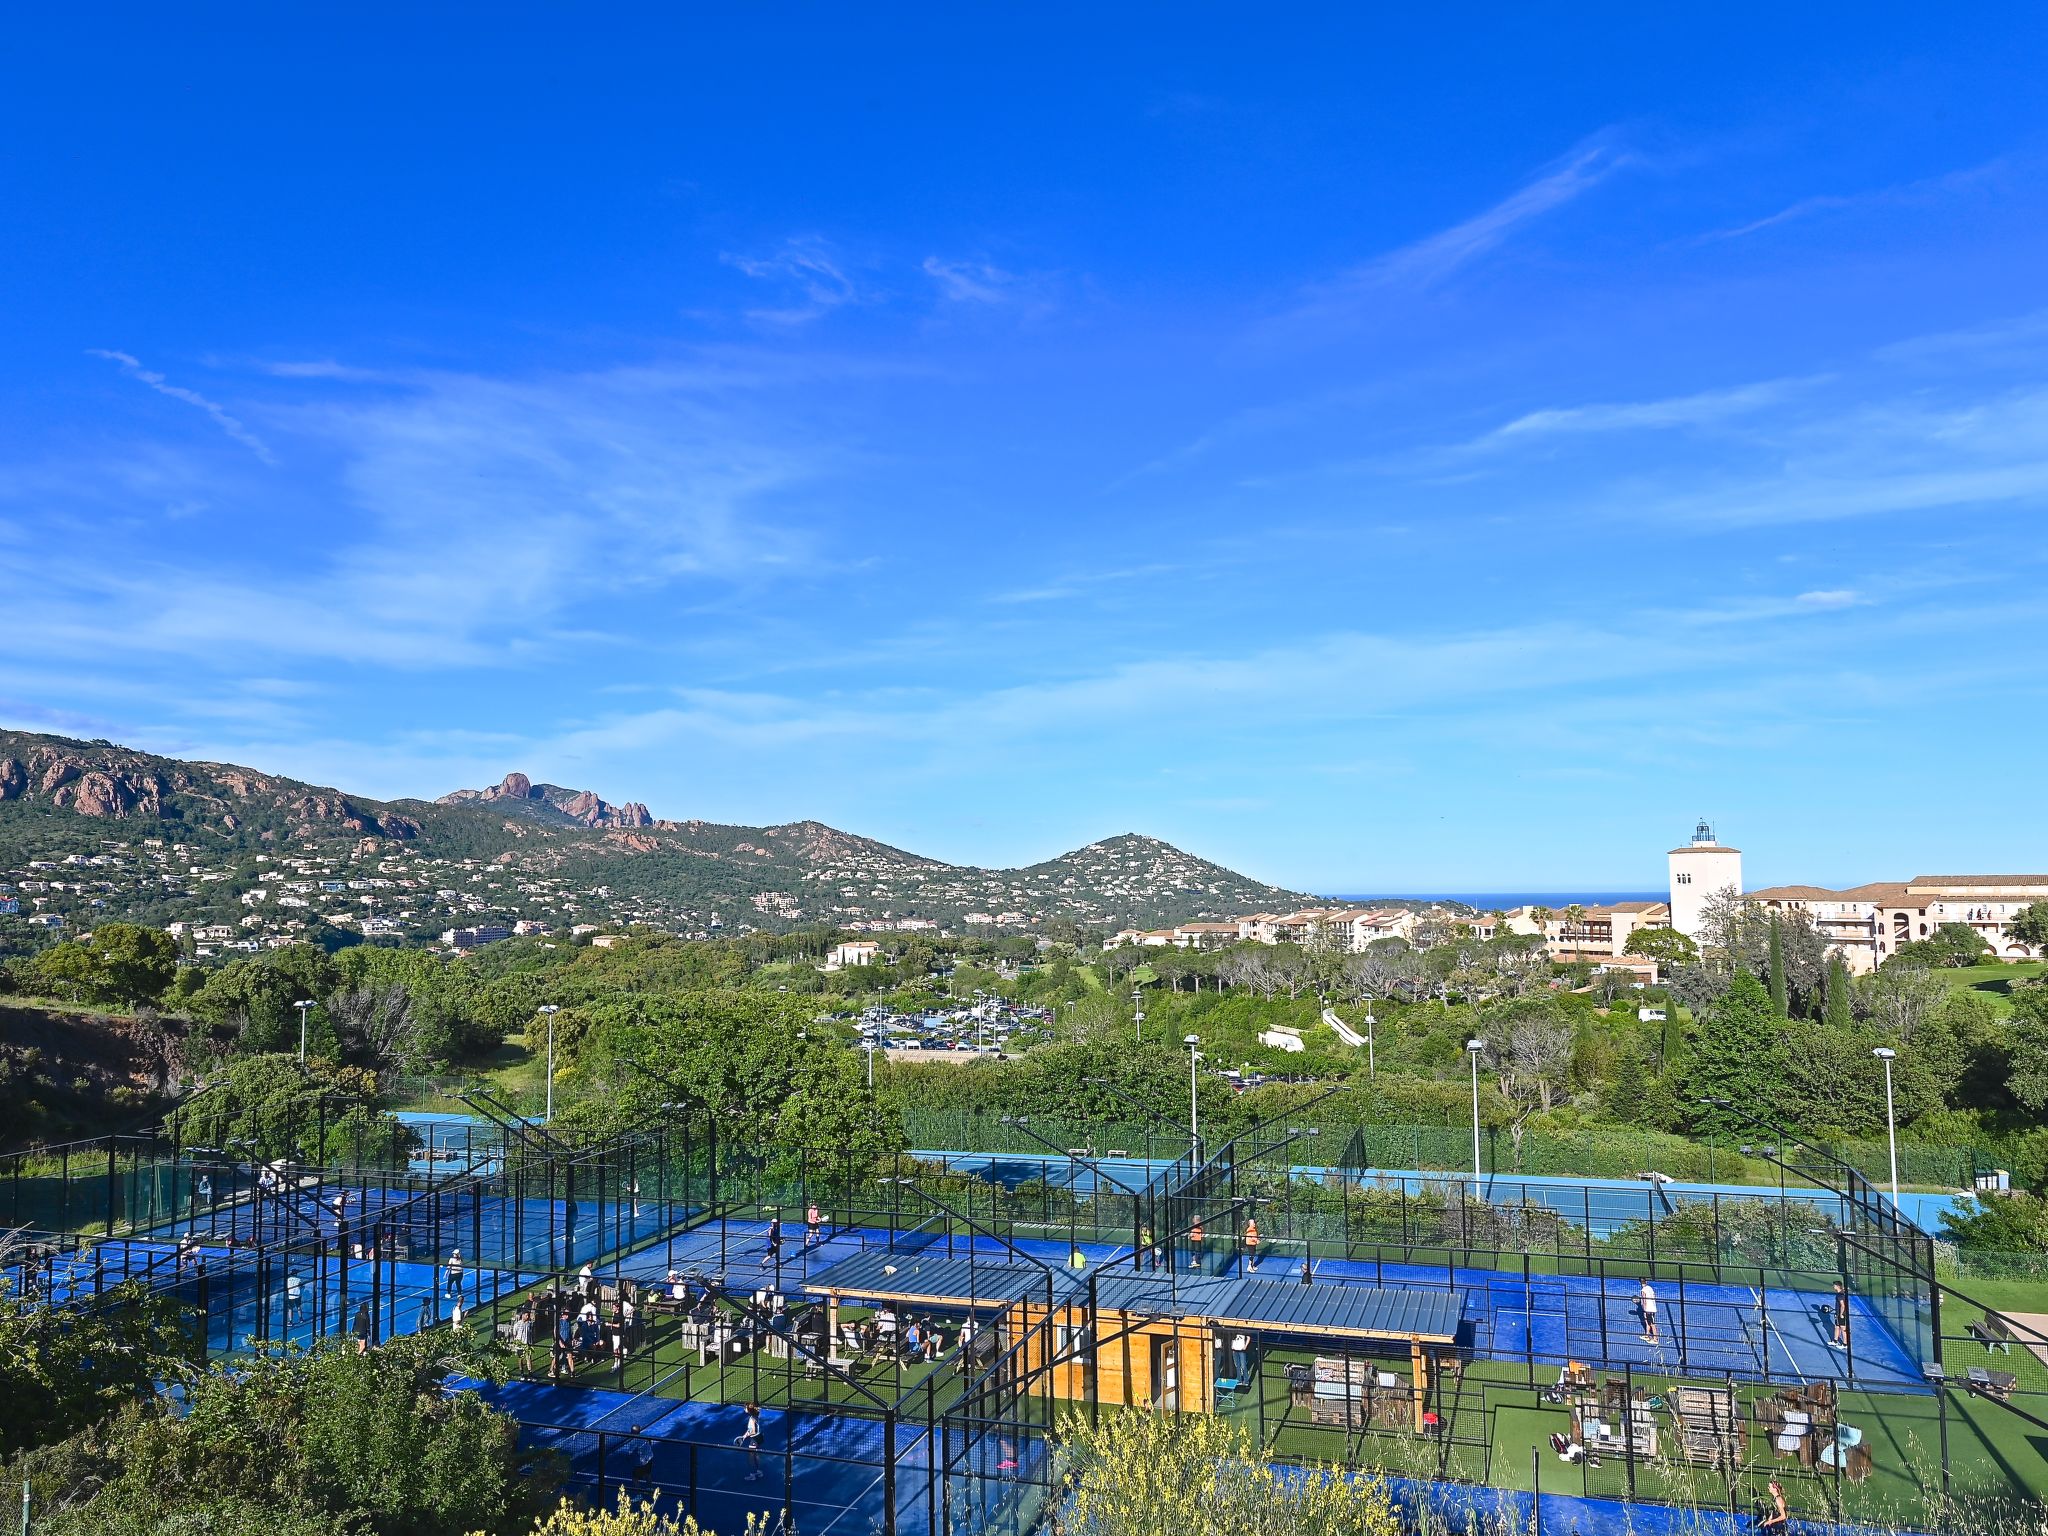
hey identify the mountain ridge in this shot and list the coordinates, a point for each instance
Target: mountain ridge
(600, 858)
(582, 807)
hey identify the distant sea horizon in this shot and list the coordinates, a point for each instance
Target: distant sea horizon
(1507, 901)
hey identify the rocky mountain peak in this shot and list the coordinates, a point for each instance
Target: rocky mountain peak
(552, 802)
(572, 855)
(98, 779)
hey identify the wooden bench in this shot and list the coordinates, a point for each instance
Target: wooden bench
(1993, 1331)
(1710, 1429)
(1996, 1385)
(1603, 1436)
(1350, 1392)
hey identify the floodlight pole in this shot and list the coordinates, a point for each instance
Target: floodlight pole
(1194, 1103)
(1886, 1054)
(302, 1006)
(1472, 1049)
(548, 1011)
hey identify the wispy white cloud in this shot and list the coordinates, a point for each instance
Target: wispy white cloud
(1706, 408)
(2020, 340)
(970, 282)
(806, 267)
(1077, 583)
(321, 368)
(219, 414)
(1902, 455)
(1912, 427)
(1646, 666)
(1903, 194)
(478, 517)
(970, 285)
(1426, 262)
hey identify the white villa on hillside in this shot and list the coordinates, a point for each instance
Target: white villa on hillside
(1347, 929)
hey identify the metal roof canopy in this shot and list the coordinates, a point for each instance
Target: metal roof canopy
(936, 1277)
(1349, 1310)
(1360, 1311)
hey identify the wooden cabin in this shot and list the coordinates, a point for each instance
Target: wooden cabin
(1153, 1340)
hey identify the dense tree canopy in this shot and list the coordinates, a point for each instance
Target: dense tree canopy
(334, 1442)
(270, 1107)
(61, 1370)
(119, 963)
(1950, 945)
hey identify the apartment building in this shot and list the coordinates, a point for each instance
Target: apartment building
(1868, 923)
(1589, 933)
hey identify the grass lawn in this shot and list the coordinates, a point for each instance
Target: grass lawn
(513, 1070)
(665, 1366)
(1496, 1428)
(2002, 1295)
(1995, 981)
(1499, 1433)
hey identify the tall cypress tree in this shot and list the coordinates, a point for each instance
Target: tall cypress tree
(1838, 1015)
(1781, 996)
(1738, 1054)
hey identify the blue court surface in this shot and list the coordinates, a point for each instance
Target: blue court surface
(1708, 1328)
(1541, 1319)
(247, 1304)
(1470, 1507)
(826, 1472)
(531, 1234)
(1600, 1205)
(826, 1469)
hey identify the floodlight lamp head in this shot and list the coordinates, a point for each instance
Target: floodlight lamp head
(1475, 1045)
(1884, 1053)
(1191, 1040)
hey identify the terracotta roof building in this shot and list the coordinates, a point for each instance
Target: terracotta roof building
(1868, 923)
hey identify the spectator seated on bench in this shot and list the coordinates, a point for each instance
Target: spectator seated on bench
(1993, 1331)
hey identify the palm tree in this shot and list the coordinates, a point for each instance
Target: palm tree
(1575, 925)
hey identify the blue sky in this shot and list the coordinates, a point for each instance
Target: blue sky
(1429, 452)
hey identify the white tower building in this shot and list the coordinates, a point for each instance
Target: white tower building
(1698, 870)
